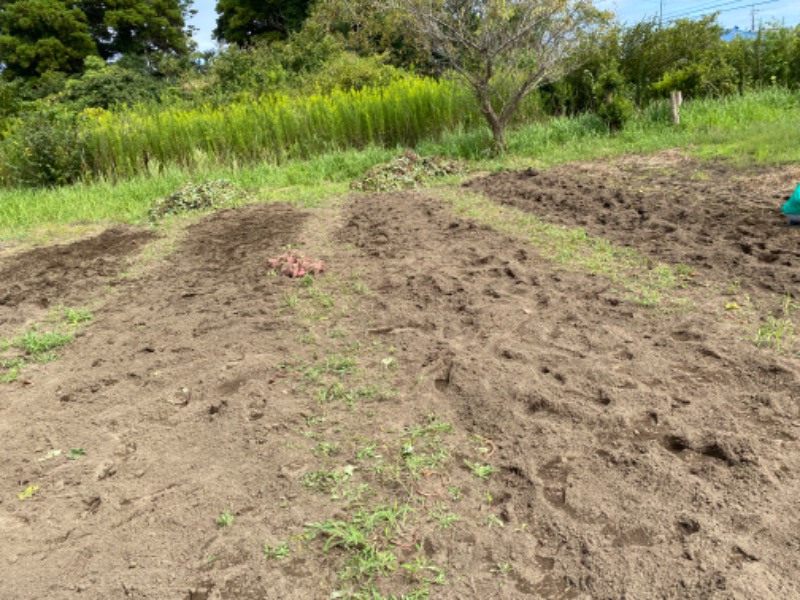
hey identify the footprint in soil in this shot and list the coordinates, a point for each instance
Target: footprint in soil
(555, 474)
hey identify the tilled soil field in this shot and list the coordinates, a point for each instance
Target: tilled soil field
(442, 413)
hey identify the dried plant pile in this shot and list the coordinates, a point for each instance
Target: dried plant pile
(192, 197)
(407, 171)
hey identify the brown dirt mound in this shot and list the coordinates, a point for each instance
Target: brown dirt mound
(636, 450)
(722, 220)
(639, 454)
(66, 273)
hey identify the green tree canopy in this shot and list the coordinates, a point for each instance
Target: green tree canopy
(369, 28)
(502, 49)
(243, 22)
(37, 36)
(40, 36)
(138, 26)
(688, 55)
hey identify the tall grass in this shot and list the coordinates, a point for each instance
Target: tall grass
(273, 129)
(760, 127)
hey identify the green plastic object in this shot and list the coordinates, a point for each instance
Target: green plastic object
(792, 205)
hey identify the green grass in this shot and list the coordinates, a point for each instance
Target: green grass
(366, 544)
(639, 278)
(25, 213)
(778, 331)
(761, 127)
(38, 344)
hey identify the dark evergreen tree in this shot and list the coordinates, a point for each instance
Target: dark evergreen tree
(41, 36)
(37, 36)
(243, 22)
(138, 26)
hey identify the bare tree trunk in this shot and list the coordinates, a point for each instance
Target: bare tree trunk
(676, 99)
(496, 123)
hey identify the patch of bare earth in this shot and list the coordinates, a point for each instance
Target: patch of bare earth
(41, 278)
(637, 454)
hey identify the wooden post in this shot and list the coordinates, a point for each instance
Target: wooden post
(676, 99)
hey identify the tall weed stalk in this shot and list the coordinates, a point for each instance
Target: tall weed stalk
(273, 129)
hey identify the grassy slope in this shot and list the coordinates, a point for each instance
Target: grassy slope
(760, 127)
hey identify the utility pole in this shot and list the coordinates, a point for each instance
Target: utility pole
(660, 14)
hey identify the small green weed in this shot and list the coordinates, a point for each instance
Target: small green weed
(226, 519)
(278, 552)
(325, 449)
(74, 316)
(431, 427)
(493, 521)
(422, 449)
(420, 461)
(324, 299)
(423, 571)
(366, 540)
(335, 391)
(775, 333)
(12, 369)
(367, 452)
(335, 365)
(291, 301)
(337, 333)
(76, 453)
(340, 365)
(502, 569)
(315, 420)
(325, 481)
(454, 493)
(778, 332)
(37, 344)
(480, 471)
(360, 288)
(443, 516)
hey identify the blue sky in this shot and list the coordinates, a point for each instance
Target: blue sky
(734, 12)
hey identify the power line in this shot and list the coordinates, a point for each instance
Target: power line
(704, 7)
(710, 8)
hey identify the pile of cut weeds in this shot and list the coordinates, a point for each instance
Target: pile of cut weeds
(193, 197)
(407, 171)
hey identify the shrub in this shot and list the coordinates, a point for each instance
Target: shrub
(110, 86)
(348, 71)
(616, 112)
(42, 150)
